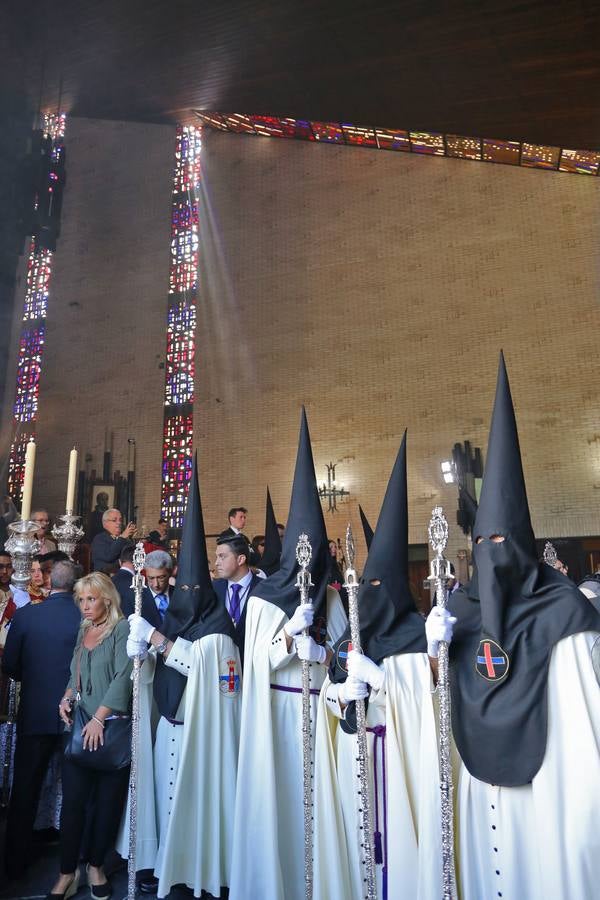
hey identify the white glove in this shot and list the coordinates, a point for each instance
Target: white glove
(308, 649)
(352, 689)
(438, 627)
(362, 668)
(302, 618)
(140, 629)
(136, 648)
(20, 597)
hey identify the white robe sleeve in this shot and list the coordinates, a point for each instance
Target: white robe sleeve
(181, 656)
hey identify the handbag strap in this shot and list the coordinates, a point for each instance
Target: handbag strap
(78, 685)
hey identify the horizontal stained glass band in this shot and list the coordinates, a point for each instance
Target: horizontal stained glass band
(512, 153)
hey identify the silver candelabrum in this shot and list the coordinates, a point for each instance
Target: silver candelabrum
(22, 546)
(68, 533)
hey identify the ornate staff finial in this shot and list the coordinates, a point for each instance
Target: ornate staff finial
(438, 530)
(139, 557)
(303, 551)
(350, 547)
(550, 555)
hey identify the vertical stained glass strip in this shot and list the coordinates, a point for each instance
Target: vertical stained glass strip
(39, 266)
(31, 342)
(177, 466)
(181, 326)
(16, 464)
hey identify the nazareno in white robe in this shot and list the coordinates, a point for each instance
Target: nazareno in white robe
(268, 851)
(409, 812)
(188, 802)
(541, 841)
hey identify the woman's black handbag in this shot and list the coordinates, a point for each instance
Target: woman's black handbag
(113, 754)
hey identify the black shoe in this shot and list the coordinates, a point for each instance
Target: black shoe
(70, 891)
(98, 891)
(148, 884)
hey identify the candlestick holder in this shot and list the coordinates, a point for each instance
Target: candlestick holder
(22, 546)
(68, 533)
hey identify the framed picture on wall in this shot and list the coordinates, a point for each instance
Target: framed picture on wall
(103, 497)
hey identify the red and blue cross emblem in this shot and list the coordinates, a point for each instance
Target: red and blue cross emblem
(491, 661)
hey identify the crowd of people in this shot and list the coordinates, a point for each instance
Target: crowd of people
(220, 756)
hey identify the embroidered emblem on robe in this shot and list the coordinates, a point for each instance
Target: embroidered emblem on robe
(491, 661)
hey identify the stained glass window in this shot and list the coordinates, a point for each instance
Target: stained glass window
(240, 123)
(297, 128)
(38, 277)
(506, 152)
(270, 126)
(214, 120)
(327, 132)
(181, 326)
(583, 162)
(363, 137)
(187, 160)
(536, 156)
(177, 466)
(16, 464)
(463, 147)
(427, 142)
(388, 139)
(29, 365)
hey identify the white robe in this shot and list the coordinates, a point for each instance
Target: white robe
(541, 841)
(188, 803)
(411, 838)
(268, 852)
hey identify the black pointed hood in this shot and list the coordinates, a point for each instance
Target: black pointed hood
(194, 610)
(270, 559)
(367, 530)
(389, 621)
(509, 618)
(305, 517)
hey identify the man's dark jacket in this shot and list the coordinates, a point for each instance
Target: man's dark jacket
(38, 652)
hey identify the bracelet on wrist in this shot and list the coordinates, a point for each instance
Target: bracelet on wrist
(99, 721)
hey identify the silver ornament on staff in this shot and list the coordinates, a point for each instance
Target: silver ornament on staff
(351, 585)
(439, 575)
(68, 533)
(139, 560)
(304, 584)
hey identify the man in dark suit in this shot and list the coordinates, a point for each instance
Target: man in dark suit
(107, 545)
(237, 519)
(38, 653)
(235, 583)
(123, 581)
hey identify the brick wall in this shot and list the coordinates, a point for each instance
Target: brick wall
(377, 288)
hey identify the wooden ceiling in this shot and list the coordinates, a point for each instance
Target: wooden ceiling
(505, 69)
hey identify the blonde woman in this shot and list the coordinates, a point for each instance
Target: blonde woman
(100, 674)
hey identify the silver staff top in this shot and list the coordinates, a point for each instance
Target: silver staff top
(550, 554)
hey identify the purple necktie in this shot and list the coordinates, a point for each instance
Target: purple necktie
(234, 603)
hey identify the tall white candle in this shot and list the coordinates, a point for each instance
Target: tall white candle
(71, 481)
(28, 480)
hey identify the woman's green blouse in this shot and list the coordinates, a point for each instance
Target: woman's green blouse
(105, 671)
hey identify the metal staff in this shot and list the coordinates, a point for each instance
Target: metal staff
(11, 718)
(351, 585)
(304, 584)
(439, 574)
(139, 560)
